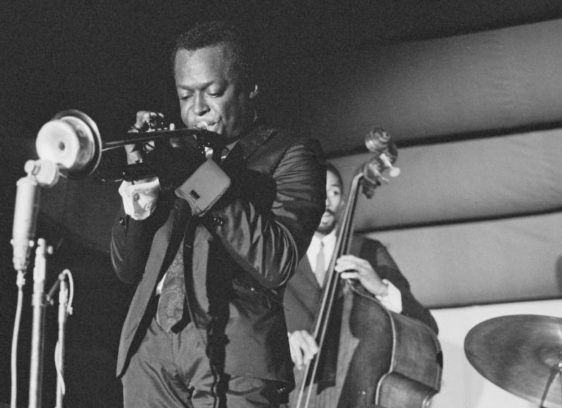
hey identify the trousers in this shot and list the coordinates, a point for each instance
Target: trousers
(171, 370)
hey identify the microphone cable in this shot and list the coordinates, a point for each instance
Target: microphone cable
(20, 282)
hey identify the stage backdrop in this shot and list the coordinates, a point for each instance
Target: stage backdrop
(475, 218)
(491, 82)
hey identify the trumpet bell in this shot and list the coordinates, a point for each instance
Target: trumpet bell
(72, 141)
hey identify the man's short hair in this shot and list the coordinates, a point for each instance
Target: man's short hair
(333, 169)
(214, 33)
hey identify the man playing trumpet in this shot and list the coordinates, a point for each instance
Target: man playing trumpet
(211, 250)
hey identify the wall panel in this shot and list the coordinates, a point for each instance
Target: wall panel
(489, 81)
(466, 180)
(481, 262)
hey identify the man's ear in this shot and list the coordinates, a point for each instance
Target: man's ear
(254, 92)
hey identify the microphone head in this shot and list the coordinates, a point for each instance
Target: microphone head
(25, 221)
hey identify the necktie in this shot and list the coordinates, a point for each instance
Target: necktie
(320, 270)
(172, 296)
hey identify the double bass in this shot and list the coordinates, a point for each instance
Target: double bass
(394, 361)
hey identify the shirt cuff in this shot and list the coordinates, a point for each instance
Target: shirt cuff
(139, 200)
(393, 300)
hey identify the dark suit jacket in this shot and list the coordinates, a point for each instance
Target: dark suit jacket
(244, 251)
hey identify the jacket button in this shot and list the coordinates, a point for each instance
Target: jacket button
(218, 221)
(122, 221)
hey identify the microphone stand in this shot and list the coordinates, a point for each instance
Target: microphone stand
(40, 173)
(38, 326)
(65, 309)
(39, 303)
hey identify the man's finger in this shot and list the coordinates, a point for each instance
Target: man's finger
(296, 354)
(349, 275)
(311, 346)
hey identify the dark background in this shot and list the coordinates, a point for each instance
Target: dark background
(111, 58)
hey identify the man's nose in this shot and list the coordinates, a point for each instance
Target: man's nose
(200, 106)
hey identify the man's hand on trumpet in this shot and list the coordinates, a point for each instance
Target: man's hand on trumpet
(140, 196)
(146, 121)
(171, 163)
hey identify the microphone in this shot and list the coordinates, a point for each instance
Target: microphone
(39, 173)
(25, 221)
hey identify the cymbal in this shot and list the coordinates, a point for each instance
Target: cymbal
(521, 354)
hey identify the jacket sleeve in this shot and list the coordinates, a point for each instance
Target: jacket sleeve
(268, 241)
(386, 267)
(131, 242)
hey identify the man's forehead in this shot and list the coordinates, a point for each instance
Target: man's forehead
(203, 66)
(214, 55)
(332, 180)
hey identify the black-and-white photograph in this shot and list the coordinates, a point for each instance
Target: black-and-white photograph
(291, 204)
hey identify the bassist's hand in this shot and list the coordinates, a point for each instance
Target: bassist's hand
(303, 348)
(352, 267)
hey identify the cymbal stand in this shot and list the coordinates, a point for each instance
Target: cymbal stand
(555, 371)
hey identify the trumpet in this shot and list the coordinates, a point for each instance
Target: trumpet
(72, 141)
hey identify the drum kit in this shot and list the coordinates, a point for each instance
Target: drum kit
(521, 354)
